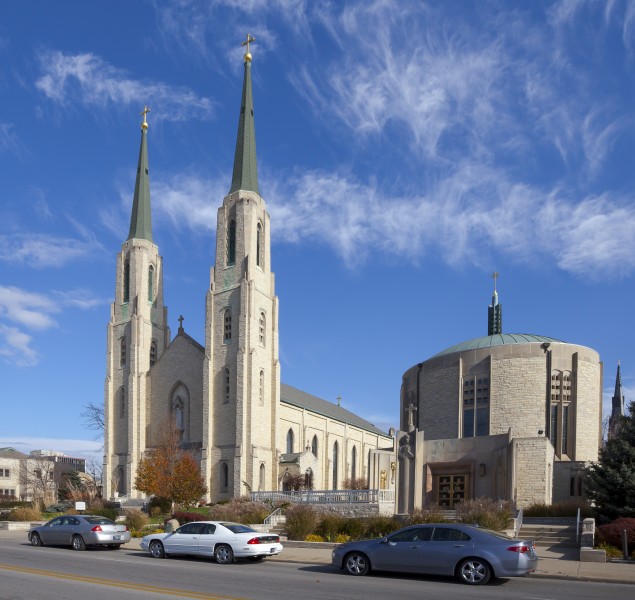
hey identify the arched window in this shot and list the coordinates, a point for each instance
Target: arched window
(262, 328)
(224, 477)
(227, 326)
(126, 281)
(259, 245)
(122, 351)
(336, 451)
(226, 384)
(120, 481)
(290, 441)
(231, 243)
(354, 463)
(261, 479)
(308, 479)
(261, 391)
(151, 284)
(314, 446)
(153, 353)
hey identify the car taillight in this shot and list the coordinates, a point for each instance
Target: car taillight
(255, 541)
(97, 528)
(126, 528)
(519, 549)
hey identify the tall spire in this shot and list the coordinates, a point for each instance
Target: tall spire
(141, 218)
(245, 176)
(617, 405)
(495, 312)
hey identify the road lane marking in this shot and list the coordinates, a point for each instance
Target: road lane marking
(118, 584)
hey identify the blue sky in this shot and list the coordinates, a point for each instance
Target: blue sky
(406, 150)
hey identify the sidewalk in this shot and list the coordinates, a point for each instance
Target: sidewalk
(562, 564)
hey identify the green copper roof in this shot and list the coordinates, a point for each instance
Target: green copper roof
(489, 341)
(245, 176)
(141, 219)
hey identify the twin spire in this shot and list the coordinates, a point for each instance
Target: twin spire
(245, 174)
(495, 312)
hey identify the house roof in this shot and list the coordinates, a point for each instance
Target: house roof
(296, 397)
(12, 453)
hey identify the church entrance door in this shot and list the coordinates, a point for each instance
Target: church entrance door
(451, 489)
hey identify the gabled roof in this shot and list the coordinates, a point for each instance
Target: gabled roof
(12, 453)
(296, 397)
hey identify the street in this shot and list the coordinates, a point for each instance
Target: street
(54, 573)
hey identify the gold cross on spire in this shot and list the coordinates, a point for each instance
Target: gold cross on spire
(250, 39)
(495, 275)
(144, 114)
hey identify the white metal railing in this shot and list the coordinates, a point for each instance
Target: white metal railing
(577, 528)
(274, 518)
(519, 523)
(328, 496)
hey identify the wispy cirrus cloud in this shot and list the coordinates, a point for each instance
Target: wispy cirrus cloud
(9, 141)
(87, 79)
(22, 311)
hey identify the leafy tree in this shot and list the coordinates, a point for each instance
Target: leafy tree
(170, 471)
(610, 483)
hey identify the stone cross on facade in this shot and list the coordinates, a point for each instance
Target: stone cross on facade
(410, 410)
(181, 319)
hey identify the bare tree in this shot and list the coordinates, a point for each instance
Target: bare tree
(94, 468)
(94, 419)
(37, 479)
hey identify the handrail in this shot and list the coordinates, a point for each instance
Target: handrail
(378, 497)
(519, 523)
(577, 527)
(274, 517)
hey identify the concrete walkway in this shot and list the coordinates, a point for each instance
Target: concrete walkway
(562, 564)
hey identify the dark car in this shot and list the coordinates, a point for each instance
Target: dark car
(79, 531)
(471, 554)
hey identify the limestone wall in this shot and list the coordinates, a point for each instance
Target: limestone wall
(533, 460)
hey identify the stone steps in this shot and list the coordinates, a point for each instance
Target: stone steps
(548, 535)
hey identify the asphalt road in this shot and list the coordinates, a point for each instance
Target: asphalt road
(28, 573)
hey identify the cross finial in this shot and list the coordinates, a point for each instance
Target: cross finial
(249, 40)
(144, 114)
(181, 319)
(410, 410)
(495, 275)
(339, 400)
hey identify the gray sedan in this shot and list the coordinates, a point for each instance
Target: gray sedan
(79, 531)
(471, 554)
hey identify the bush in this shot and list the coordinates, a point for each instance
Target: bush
(135, 519)
(187, 517)
(342, 538)
(380, 526)
(301, 521)
(566, 508)
(109, 513)
(354, 528)
(312, 537)
(611, 551)
(12, 502)
(240, 510)
(420, 515)
(25, 514)
(611, 533)
(330, 526)
(484, 512)
(163, 505)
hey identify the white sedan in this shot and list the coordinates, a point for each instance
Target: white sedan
(219, 539)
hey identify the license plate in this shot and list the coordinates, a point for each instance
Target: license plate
(116, 537)
(272, 550)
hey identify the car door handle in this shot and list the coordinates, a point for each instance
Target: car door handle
(459, 545)
(415, 546)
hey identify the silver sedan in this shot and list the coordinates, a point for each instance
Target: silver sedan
(471, 554)
(222, 540)
(79, 531)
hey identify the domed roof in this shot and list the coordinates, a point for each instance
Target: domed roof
(501, 339)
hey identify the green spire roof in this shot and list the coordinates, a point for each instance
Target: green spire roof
(245, 176)
(141, 218)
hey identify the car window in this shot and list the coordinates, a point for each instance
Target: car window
(55, 522)
(73, 521)
(208, 529)
(99, 521)
(238, 528)
(447, 534)
(191, 528)
(418, 534)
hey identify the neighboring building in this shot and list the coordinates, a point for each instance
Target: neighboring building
(10, 468)
(28, 477)
(244, 428)
(507, 416)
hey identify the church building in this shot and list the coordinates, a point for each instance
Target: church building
(247, 431)
(508, 416)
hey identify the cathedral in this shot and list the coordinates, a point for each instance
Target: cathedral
(247, 431)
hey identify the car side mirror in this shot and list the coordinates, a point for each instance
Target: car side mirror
(384, 540)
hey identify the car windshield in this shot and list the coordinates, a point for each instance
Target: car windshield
(99, 521)
(238, 528)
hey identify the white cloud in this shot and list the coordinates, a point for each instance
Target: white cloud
(9, 141)
(70, 447)
(42, 250)
(21, 309)
(89, 80)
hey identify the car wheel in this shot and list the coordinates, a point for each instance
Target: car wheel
(36, 540)
(356, 563)
(474, 571)
(224, 554)
(78, 543)
(156, 549)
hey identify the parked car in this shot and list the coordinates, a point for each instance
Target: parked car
(471, 554)
(79, 531)
(219, 539)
